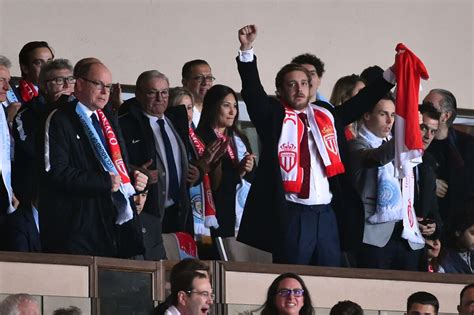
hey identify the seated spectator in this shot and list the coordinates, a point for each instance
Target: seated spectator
(346, 308)
(287, 295)
(151, 230)
(191, 293)
(71, 310)
(344, 89)
(430, 259)
(466, 298)
(232, 174)
(19, 304)
(422, 303)
(32, 56)
(459, 252)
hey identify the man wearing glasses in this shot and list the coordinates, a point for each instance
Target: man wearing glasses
(155, 148)
(85, 205)
(191, 293)
(55, 80)
(198, 79)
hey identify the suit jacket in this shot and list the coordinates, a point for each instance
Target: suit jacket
(152, 239)
(21, 232)
(262, 219)
(76, 209)
(364, 164)
(140, 143)
(426, 203)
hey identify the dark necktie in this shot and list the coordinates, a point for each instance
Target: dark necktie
(95, 123)
(305, 159)
(172, 172)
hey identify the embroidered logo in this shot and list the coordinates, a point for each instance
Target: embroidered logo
(136, 141)
(287, 156)
(331, 143)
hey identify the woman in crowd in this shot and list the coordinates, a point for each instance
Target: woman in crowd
(344, 89)
(288, 295)
(232, 174)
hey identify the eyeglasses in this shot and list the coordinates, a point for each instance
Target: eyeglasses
(202, 78)
(288, 292)
(62, 80)
(99, 85)
(204, 294)
(154, 93)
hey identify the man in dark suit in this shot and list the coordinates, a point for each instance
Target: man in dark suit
(85, 188)
(155, 147)
(296, 224)
(454, 154)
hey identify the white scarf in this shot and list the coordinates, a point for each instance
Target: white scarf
(243, 187)
(5, 158)
(321, 123)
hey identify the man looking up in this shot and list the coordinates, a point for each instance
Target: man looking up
(85, 191)
(198, 79)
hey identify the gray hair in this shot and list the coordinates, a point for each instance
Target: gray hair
(4, 61)
(447, 104)
(10, 305)
(148, 75)
(48, 67)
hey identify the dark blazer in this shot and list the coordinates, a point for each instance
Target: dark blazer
(262, 218)
(140, 143)
(426, 203)
(76, 209)
(152, 239)
(224, 177)
(22, 235)
(453, 263)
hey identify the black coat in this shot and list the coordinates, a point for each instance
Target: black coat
(21, 232)
(426, 203)
(261, 222)
(76, 209)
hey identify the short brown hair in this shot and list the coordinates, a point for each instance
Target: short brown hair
(287, 69)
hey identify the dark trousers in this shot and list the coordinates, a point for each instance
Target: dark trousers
(396, 255)
(308, 236)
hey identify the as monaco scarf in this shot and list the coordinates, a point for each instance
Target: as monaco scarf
(321, 123)
(408, 144)
(113, 163)
(209, 212)
(27, 90)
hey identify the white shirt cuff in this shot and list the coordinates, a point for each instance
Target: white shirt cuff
(246, 55)
(389, 76)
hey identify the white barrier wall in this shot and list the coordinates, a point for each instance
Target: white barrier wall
(348, 35)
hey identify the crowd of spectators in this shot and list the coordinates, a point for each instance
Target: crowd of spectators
(84, 173)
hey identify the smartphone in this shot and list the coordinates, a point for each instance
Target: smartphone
(11, 97)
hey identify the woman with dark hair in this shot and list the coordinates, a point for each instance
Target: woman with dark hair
(288, 295)
(344, 89)
(232, 173)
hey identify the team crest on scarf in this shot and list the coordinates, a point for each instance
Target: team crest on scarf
(287, 156)
(329, 139)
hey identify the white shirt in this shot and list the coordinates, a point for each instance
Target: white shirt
(160, 147)
(172, 310)
(196, 116)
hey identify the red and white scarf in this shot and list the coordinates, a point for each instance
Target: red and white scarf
(321, 123)
(210, 219)
(27, 90)
(230, 149)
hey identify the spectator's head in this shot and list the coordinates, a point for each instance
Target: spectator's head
(315, 67)
(189, 264)
(293, 83)
(463, 228)
(433, 245)
(346, 308)
(71, 310)
(139, 200)
(220, 109)
(152, 92)
(5, 65)
(445, 102)
(429, 125)
(380, 120)
(93, 85)
(181, 96)
(197, 78)
(191, 293)
(422, 303)
(466, 300)
(288, 295)
(19, 304)
(83, 62)
(32, 56)
(370, 74)
(346, 88)
(56, 79)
